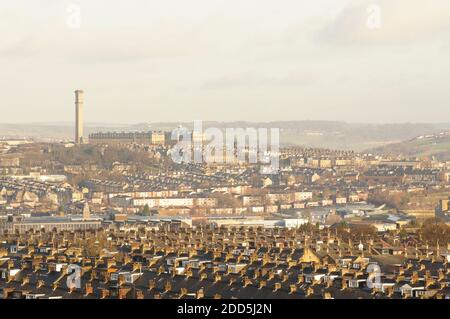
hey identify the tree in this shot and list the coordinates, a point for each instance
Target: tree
(146, 210)
(434, 231)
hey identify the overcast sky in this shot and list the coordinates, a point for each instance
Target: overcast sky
(255, 60)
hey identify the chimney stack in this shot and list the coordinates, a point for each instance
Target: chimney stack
(293, 289)
(327, 295)
(200, 294)
(139, 294)
(25, 280)
(168, 286)
(40, 283)
(123, 293)
(89, 289)
(277, 286)
(262, 284)
(78, 116)
(104, 293)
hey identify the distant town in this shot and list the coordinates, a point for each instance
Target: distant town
(110, 215)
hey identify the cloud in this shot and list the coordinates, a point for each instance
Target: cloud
(20, 49)
(302, 58)
(401, 22)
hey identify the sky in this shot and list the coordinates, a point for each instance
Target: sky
(225, 60)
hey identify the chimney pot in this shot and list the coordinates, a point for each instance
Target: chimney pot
(293, 289)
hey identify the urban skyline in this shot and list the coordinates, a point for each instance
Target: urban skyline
(126, 215)
(225, 154)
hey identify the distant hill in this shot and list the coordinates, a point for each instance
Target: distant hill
(323, 134)
(424, 146)
(53, 131)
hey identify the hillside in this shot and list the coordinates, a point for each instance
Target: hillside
(424, 146)
(321, 134)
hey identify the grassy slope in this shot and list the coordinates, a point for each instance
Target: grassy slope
(438, 146)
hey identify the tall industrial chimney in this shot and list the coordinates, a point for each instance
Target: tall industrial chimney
(78, 116)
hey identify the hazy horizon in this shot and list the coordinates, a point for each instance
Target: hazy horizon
(258, 61)
(70, 123)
